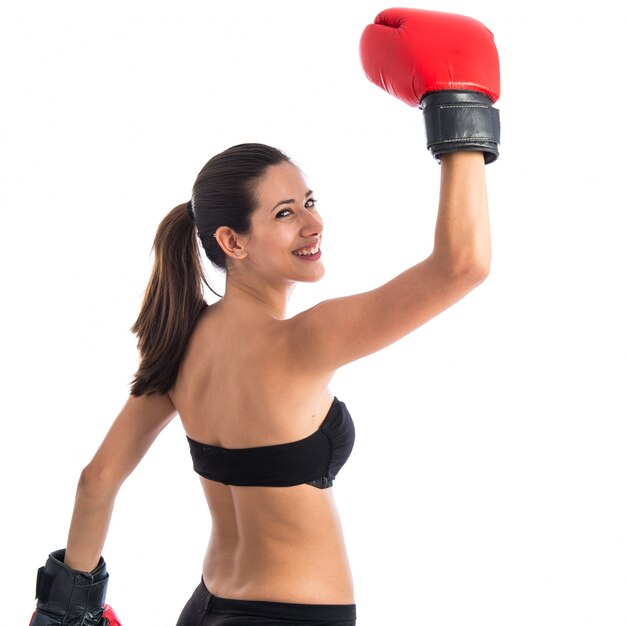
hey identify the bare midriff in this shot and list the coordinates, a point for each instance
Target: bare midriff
(278, 544)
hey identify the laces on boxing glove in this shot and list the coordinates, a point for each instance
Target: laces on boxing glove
(461, 121)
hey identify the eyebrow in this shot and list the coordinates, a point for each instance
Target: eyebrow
(291, 200)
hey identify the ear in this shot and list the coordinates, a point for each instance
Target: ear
(231, 242)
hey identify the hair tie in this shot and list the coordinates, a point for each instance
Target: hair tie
(190, 212)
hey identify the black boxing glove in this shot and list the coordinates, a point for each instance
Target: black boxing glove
(67, 597)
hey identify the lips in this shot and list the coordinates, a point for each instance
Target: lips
(308, 250)
(312, 252)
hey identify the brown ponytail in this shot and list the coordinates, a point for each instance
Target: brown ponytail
(223, 195)
(172, 303)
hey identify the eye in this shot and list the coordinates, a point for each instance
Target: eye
(283, 213)
(310, 203)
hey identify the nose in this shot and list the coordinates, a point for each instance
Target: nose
(312, 224)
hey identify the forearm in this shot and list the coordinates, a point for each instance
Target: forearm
(93, 508)
(65, 593)
(462, 233)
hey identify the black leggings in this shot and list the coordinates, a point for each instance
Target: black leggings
(205, 609)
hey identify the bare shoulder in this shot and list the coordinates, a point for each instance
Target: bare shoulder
(341, 330)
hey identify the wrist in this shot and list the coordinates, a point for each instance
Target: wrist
(63, 591)
(461, 121)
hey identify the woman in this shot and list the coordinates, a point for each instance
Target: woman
(266, 435)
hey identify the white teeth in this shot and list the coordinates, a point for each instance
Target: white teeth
(308, 251)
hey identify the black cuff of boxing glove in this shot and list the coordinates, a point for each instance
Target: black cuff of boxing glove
(62, 590)
(461, 121)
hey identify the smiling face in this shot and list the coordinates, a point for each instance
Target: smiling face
(286, 229)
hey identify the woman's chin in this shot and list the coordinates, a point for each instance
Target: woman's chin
(316, 274)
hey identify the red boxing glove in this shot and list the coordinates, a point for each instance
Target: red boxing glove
(109, 618)
(445, 63)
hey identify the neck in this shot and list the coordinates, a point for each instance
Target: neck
(257, 296)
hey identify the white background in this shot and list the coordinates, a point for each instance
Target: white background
(487, 485)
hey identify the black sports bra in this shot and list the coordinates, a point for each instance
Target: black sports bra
(314, 460)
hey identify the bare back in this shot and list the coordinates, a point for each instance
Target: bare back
(238, 388)
(251, 379)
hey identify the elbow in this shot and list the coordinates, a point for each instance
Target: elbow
(95, 482)
(478, 271)
(468, 266)
(471, 272)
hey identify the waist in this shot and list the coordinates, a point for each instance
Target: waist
(289, 570)
(276, 544)
(315, 613)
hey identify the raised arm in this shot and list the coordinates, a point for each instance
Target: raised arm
(448, 65)
(341, 330)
